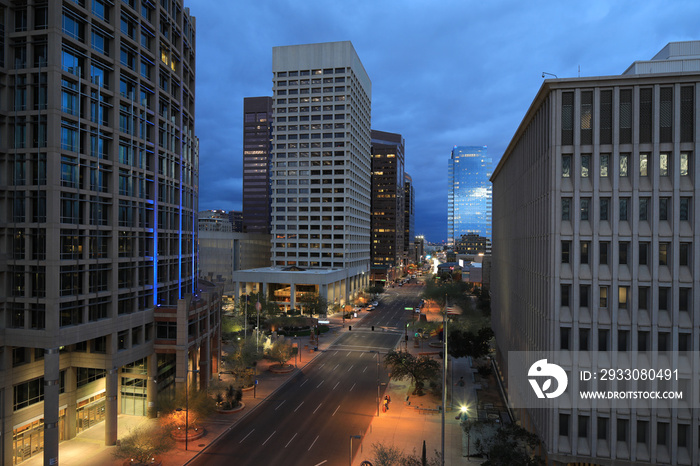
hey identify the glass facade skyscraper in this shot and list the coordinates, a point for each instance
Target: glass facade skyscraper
(469, 196)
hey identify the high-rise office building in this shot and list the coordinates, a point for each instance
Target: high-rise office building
(320, 174)
(98, 216)
(409, 217)
(257, 131)
(469, 195)
(595, 227)
(388, 207)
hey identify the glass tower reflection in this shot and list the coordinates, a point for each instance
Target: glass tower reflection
(469, 194)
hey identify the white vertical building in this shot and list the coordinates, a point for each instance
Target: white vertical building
(595, 227)
(321, 165)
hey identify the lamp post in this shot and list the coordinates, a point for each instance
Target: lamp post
(187, 404)
(444, 377)
(352, 437)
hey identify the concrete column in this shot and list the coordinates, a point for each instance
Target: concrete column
(151, 385)
(71, 410)
(205, 363)
(51, 392)
(6, 400)
(265, 291)
(236, 292)
(292, 292)
(111, 408)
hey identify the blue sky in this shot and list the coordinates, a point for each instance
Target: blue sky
(444, 73)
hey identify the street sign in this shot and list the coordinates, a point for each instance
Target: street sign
(408, 308)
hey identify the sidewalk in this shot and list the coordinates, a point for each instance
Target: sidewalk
(411, 420)
(88, 448)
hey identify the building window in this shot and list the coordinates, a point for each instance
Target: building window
(604, 208)
(622, 296)
(683, 435)
(566, 166)
(684, 254)
(566, 208)
(684, 299)
(625, 122)
(585, 247)
(585, 166)
(565, 338)
(603, 337)
(684, 209)
(564, 424)
(602, 428)
(685, 164)
(643, 339)
(643, 295)
(666, 114)
(623, 252)
(583, 422)
(662, 433)
(624, 164)
(585, 202)
(663, 298)
(687, 113)
(643, 253)
(567, 118)
(643, 164)
(584, 335)
(604, 165)
(586, 117)
(565, 252)
(623, 339)
(565, 295)
(606, 116)
(603, 297)
(645, 115)
(663, 208)
(603, 249)
(684, 341)
(624, 203)
(643, 209)
(663, 253)
(583, 291)
(643, 432)
(622, 429)
(663, 164)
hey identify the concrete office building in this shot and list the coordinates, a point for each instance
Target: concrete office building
(469, 193)
(409, 217)
(595, 227)
(257, 133)
(388, 206)
(321, 174)
(99, 168)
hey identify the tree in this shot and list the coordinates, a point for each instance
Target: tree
(280, 352)
(142, 444)
(375, 289)
(241, 360)
(404, 365)
(313, 303)
(504, 445)
(173, 408)
(462, 343)
(389, 455)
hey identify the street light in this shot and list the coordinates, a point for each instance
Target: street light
(352, 437)
(187, 404)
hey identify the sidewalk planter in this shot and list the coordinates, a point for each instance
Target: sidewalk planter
(156, 462)
(193, 435)
(279, 369)
(248, 388)
(237, 409)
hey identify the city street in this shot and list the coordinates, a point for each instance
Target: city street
(311, 421)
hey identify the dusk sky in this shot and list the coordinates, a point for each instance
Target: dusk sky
(444, 73)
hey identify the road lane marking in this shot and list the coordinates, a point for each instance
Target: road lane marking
(322, 462)
(353, 386)
(290, 440)
(336, 353)
(363, 370)
(336, 366)
(320, 383)
(312, 443)
(322, 365)
(347, 354)
(246, 436)
(273, 433)
(319, 405)
(350, 368)
(336, 410)
(278, 407)
(299, 406)
(303, 383)
(336, 385)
